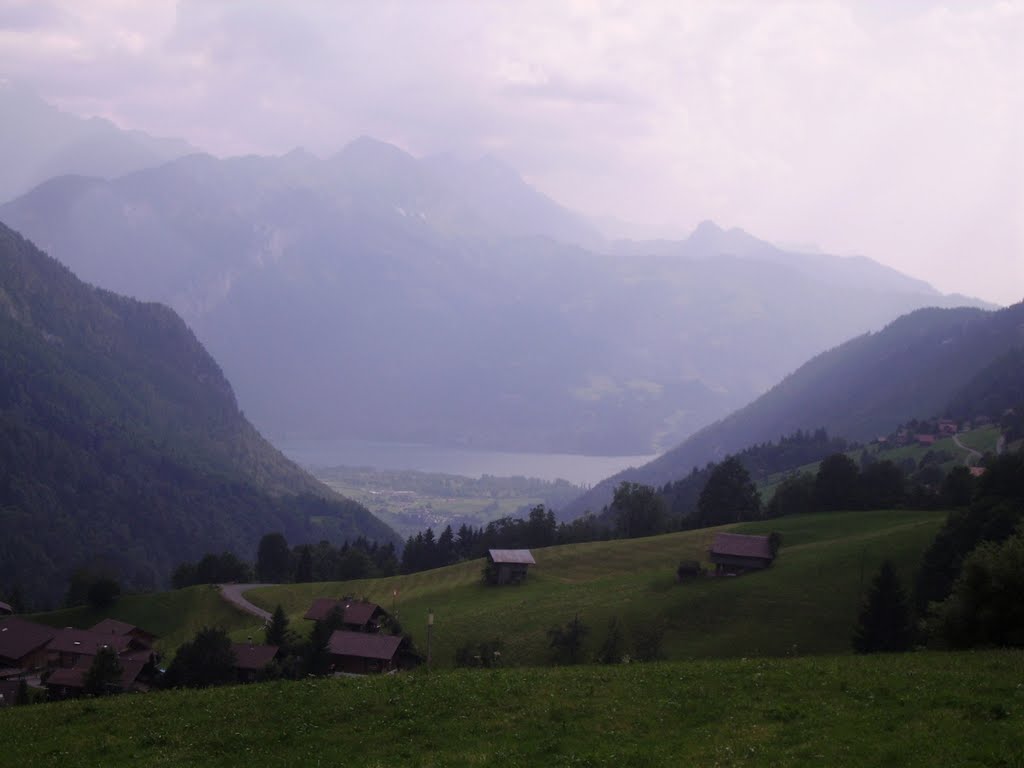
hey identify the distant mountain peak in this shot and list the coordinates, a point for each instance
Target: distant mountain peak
(706, 228)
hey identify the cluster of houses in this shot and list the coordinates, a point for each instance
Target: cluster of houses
(359, 647)
(58, 659)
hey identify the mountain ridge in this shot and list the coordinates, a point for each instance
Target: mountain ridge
(421, 310)
(863, 388)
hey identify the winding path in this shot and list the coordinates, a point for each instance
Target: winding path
(234, 594)
(973, 456)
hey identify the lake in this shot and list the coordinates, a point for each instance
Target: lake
(577, 469)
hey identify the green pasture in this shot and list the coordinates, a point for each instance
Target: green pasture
(919, 709)
(805, 604)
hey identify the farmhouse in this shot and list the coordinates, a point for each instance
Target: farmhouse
(362, 653)
(508, 566)
(737, 553)
(23, 643)
(70, 647)
(251, 659)
(68, 682)
(139, 638)
(357, 615)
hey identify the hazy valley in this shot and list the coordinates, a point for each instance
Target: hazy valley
(448, 393)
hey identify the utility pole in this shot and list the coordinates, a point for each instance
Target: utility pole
(430, 627)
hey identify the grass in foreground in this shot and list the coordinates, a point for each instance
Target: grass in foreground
(923, 709)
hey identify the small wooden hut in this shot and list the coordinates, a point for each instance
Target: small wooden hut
(508, 566)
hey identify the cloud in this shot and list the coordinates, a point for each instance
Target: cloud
(873, 127)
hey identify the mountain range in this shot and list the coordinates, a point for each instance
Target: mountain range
(122, 446)
(374, 295)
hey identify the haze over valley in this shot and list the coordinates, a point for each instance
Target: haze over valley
(469, 382)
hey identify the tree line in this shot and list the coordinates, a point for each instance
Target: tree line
(278, 563)
(967, 591)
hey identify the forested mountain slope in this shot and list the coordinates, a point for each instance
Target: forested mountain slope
(448, 303)
(916, 367)
(121, 443)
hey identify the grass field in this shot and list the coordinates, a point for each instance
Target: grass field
(924, 709)
(806, 603)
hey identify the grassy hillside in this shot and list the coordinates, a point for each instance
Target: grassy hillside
(805, 604)
(922, 709)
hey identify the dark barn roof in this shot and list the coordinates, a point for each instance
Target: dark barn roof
(113, 627)
(741, 545)
(19, 637)
(74, 677)
(355, 612)
(363, 645)
(253, 657)
(511, 556)
(87, 642)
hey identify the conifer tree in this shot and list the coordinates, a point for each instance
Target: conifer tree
(277, 629)
(884, 621)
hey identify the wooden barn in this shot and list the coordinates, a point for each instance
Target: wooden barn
(251, 659)
(508, 566)
(738, 553)
(357, 615)
(363, 653)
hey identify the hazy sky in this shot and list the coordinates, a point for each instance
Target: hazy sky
(889, 128)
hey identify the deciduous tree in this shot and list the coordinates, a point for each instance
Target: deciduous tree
(639, 510)
(729, 495)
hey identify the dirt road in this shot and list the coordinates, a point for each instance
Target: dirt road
(234, 594)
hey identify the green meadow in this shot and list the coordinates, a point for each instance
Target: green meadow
(806, 603)
(919, 709)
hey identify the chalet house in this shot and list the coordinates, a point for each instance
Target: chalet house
(363, 653)
(69, 682)
(357, 615)
(251, 659)
(508, 566)
(139, 639)
(925, 439)
(947, 427)
(70, 647)
(23, 644)
(738, 553)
